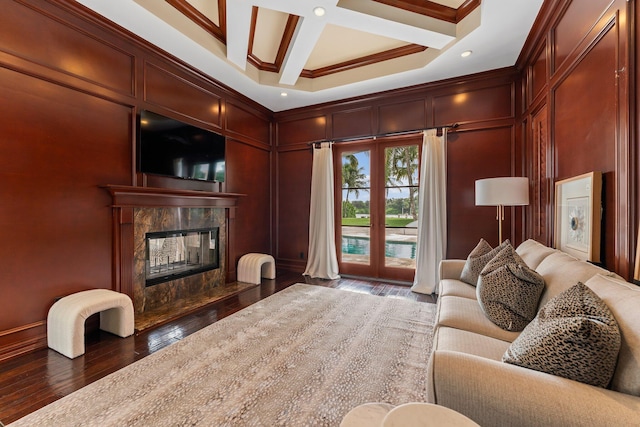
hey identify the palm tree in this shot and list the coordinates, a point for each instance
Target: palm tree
(401, 164)
(352, 176)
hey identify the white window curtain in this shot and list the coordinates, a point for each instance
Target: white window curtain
(323, 261)
(432, 212)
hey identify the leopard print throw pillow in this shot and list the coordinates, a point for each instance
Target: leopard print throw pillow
(508, 291)
(477, 259)
(573, 336)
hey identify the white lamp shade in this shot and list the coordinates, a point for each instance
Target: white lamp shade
(507, 191)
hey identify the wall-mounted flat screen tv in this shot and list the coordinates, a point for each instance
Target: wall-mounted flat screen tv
(173, 148)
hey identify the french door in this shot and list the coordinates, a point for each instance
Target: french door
(376, 207)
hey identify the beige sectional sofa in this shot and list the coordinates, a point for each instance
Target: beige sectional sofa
(467, 373)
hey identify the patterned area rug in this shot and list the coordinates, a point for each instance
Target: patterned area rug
(304, 356)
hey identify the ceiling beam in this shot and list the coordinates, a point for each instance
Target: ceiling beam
(239, 12)
(362, 15)
(305, 38)
(384, 20)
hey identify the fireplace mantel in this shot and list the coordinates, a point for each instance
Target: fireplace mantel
(129, 196)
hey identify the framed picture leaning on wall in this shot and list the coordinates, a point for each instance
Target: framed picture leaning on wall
(578, 212)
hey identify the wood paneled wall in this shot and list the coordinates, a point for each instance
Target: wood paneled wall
(71, 86)
(484, 145)
(68, 126)
(576, 115)
(568, 109)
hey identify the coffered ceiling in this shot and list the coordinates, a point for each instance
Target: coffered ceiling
(292, 53)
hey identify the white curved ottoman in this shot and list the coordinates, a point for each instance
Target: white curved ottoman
(65, 321)
(253, 266)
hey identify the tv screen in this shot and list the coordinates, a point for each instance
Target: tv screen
(172, 148)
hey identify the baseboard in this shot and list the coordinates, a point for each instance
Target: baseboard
(295, 265)
(22, 340)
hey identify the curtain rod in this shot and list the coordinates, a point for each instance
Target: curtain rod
(382, 135)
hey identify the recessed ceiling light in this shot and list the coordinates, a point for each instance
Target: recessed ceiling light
(466, 53)
(319, 11)
(283, 94)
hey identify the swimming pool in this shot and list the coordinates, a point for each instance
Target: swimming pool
(392, 249)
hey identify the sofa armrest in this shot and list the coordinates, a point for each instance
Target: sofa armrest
(451, 268)
(499, 394)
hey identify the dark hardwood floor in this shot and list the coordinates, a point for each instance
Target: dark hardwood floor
(34, 380)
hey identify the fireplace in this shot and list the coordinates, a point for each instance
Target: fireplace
(172, 249)
(175, 267)
(171, 255)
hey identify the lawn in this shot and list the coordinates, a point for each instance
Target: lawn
(389, 222)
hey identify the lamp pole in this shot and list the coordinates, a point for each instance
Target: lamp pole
(500, 218)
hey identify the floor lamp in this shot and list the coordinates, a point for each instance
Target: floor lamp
(501, 192)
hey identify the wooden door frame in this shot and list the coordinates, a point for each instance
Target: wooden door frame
(362, 270)
(376, 267)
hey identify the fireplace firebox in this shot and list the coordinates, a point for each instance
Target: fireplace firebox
(180, 253)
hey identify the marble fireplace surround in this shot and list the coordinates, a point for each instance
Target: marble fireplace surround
(139, 210)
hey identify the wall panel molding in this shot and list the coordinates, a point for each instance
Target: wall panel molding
(71, 88)
(572, 28)
(485, 104)
(167, 90)
(397, 116)
(247, 124)
(541, 224)
(302, 129)
(353, 122)
(588, 113)
(113, 66)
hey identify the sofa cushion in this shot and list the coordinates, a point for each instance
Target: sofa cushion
(450, 269)
(574, 336)
(561, 271)
(533, 252)
(623, 299)
(466, 314)
(477, 259)
(457, 288)
(508, 291)
(452, 339)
